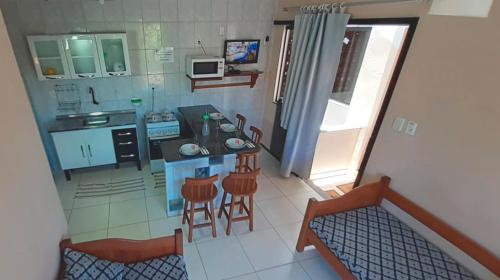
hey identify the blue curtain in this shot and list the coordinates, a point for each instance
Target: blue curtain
(316, 48)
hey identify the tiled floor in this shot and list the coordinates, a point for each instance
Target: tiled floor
(266, 253)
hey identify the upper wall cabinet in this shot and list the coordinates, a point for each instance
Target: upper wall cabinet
(49, 57)
(113, 54)
(80, 56)
(83, 60)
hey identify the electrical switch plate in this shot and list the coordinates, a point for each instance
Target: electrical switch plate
(398, 124)
(411, 128)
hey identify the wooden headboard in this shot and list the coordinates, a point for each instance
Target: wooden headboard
(129, 251)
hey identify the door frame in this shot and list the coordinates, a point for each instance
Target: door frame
(412, 23)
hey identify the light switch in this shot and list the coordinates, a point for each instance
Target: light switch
(398, 124)
(411, 128)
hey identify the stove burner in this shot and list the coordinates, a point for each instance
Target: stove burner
(160, 117)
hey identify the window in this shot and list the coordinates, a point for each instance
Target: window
(284, 62)
(353, 50)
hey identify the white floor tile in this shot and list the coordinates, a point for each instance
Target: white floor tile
(266, 189)
(67, 199)
(291, 271)
(125, 173)
(279, 211)
(138, 231)
(290, 234)
(126, 196)
(67, 214)
(64, 185)
(290, 186)
(300, 200)
(89, 219)
(165, 226)
(127, 212)
(157, 208)
(259, 223)
(224, 258)
(319, 269)
(251, 276)
(97, 176)
(265, 249)
(90, 201)
(89, 236)
(194, 265)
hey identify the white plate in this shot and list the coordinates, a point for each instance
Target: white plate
(216, 116)
(227, 127)
(235, 143)
(189, 149)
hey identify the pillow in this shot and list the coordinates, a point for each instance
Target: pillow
(83, 266)
(166, 268)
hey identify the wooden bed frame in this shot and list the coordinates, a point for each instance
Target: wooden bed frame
(372, 194)
(126, 250)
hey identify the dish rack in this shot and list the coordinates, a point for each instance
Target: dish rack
(68, 98)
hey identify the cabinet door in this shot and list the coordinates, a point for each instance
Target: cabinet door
(99, 146)
(113, 54)
(49, 57)
(81, 52)
(70, 147)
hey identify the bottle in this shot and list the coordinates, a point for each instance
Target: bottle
(205, 130)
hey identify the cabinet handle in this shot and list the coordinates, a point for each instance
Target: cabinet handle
(90, 151)
(125, 143)
(128, 156)
(83, 153)
(86, 76)
(54, 78)
(116, 74)
(124, 134)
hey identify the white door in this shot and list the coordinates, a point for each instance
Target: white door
(81, 52)
(70, 147)
(99, 146)
(49, 57)
(113, 54)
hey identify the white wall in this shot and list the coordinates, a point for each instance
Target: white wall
(31, 216)
(149, 24)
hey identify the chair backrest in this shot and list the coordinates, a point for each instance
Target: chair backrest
(256, 134)
(199, 189)
(241, 183)
(241, 122)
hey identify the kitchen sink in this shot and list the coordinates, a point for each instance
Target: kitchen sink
(96, 120)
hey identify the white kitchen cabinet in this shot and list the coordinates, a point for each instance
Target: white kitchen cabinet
(100, 146)
(81, 53)
(49, 57)
(71, 149)
(113, 54)
(84, 148)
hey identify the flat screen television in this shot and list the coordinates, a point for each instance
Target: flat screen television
(241, 51)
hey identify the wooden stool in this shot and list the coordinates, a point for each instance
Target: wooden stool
(241, 122)
(239, 185)
(203, 191)
(243, 159)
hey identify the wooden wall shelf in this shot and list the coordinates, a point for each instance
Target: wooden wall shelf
(252, 74)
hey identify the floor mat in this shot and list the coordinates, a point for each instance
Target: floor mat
(159, 180)
(120, 187)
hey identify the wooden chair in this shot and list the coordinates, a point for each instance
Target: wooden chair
(203, 191)
(239, 186)
(241, 122)
(245, 158)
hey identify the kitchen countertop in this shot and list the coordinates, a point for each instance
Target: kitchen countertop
(76, 121)
(214, 142)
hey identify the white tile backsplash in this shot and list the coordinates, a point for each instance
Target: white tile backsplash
(168, 9)
(149, 24)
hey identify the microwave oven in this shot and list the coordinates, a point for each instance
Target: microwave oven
(204, 67)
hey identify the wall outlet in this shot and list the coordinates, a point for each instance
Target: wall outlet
(398, 124)
(411, 128)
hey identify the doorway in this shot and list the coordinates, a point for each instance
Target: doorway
(372, 57)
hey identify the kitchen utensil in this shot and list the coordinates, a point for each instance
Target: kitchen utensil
(227, 127)
(216, 116)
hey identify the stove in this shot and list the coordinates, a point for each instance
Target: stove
(160, 127)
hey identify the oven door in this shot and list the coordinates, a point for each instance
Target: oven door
(156, 160)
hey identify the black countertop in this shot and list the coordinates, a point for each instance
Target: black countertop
(214, 142)
(76, 121)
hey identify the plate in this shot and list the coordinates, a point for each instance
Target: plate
(216, 116)
(235, 143)
(227, 127)
(189, 149)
